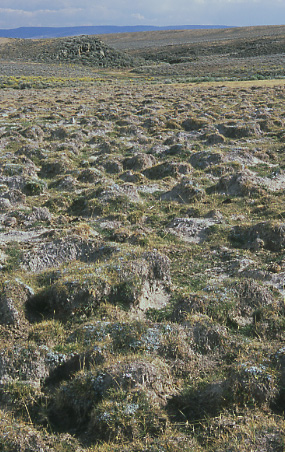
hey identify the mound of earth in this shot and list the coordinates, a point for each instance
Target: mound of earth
(86, 50)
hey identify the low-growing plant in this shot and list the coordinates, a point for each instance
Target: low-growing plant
(122, 416)
(23, 397)
(128, 337)
(14, 253)
(48, 332)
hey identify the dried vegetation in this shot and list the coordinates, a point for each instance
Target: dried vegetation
(142, 262)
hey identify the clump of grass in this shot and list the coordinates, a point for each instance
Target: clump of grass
(15, 254)
(48, 332)
(23, 397)
(126, 417)
(128, 337)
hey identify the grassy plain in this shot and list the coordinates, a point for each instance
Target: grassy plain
(142, 248)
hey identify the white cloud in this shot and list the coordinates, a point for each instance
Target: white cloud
(138, 16)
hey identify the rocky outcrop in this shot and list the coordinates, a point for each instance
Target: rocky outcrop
(86, 50)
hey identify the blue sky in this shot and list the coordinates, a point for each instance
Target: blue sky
(60, 13)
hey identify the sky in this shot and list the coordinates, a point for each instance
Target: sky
(65, 13)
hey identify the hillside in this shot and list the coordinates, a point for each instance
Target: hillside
(56, 32)
(142, 239)
(186, 46)
(133, 41)
(192, 54)
(85, 50)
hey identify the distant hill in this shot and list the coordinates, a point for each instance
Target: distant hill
(52, 32)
